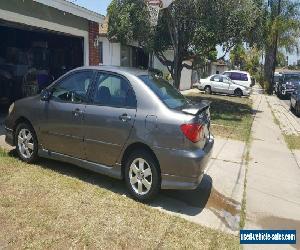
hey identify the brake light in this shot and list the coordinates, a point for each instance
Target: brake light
(192, 131)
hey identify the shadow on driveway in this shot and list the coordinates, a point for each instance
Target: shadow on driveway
(194, 201)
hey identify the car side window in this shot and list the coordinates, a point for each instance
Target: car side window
(73, 88)
(226, 80)
(217, 79)
(244, 77)
(235, 76)
(113, 90)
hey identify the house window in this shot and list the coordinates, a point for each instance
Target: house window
(101, 52)
(126, 56)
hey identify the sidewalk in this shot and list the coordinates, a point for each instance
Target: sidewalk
(289, 123)
(216, 203)
(273, 179)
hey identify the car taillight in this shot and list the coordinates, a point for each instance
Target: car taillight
(192, 131)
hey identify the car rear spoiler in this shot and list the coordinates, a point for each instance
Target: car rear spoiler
(197, 109)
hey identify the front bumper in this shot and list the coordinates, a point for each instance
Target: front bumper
(182, 169)
(286, 91)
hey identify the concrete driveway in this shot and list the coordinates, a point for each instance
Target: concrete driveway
(216, 203)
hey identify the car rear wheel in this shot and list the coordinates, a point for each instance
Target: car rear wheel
(142, 176)
(238, 93)
(207, 90)
(26, 143)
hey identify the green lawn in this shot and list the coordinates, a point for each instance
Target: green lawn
(56, 205)
(231, 116)
(293, 141)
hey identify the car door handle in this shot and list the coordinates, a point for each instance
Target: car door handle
(77, 112)
(125, 118)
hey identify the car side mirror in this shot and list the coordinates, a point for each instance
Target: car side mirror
(46, 95)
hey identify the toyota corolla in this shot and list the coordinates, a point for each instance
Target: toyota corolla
(120, 122)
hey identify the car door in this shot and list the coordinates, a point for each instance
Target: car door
(219, 85)
(215, 82)
(62, 122)
(109, 118)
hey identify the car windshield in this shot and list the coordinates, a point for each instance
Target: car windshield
(165, 91)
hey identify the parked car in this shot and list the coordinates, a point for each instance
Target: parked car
(287, 84)
(120, 122)
(240, 77)
(222, 84)
(295, 101)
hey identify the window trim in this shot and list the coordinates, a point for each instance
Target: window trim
(93, 90)
(67, 75)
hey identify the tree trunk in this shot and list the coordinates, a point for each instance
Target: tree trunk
(269, 67)
(177, 68)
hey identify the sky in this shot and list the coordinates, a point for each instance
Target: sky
(100, 7)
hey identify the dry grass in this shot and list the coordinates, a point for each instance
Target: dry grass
(231, 117)
(293, 141)
(45, 206)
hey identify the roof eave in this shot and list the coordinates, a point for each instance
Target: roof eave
(73, 9)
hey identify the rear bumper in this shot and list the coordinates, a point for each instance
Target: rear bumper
(183, 169)
(9, 136)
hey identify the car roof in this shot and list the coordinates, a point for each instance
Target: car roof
(117, 69)
(290, 73)
(238, 71)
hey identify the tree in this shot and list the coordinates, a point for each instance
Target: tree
(191, 28)
(278, 26)
(238, 56)
(245, 58)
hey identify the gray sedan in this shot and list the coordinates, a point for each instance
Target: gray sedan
(120, 122)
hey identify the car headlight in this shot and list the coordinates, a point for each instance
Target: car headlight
(11, 108)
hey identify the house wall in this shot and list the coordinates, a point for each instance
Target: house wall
(111, 52)
(42, 12)
(186, 77)
(93, 50)
(186, 74)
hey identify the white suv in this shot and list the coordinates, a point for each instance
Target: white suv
(239, 77)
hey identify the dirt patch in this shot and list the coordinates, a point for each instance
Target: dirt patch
(226, 209)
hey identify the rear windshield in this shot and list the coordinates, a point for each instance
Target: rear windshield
(165, 91)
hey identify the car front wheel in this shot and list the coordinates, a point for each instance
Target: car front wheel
(26, 143)
(238, 93)
(142, 175)
(207, 90)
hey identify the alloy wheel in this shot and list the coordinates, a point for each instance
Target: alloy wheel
(25, 143)
(140, 176)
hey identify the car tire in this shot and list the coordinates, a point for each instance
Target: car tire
(207, 90)
(142, 176)
(26, 143)
(238, 93)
